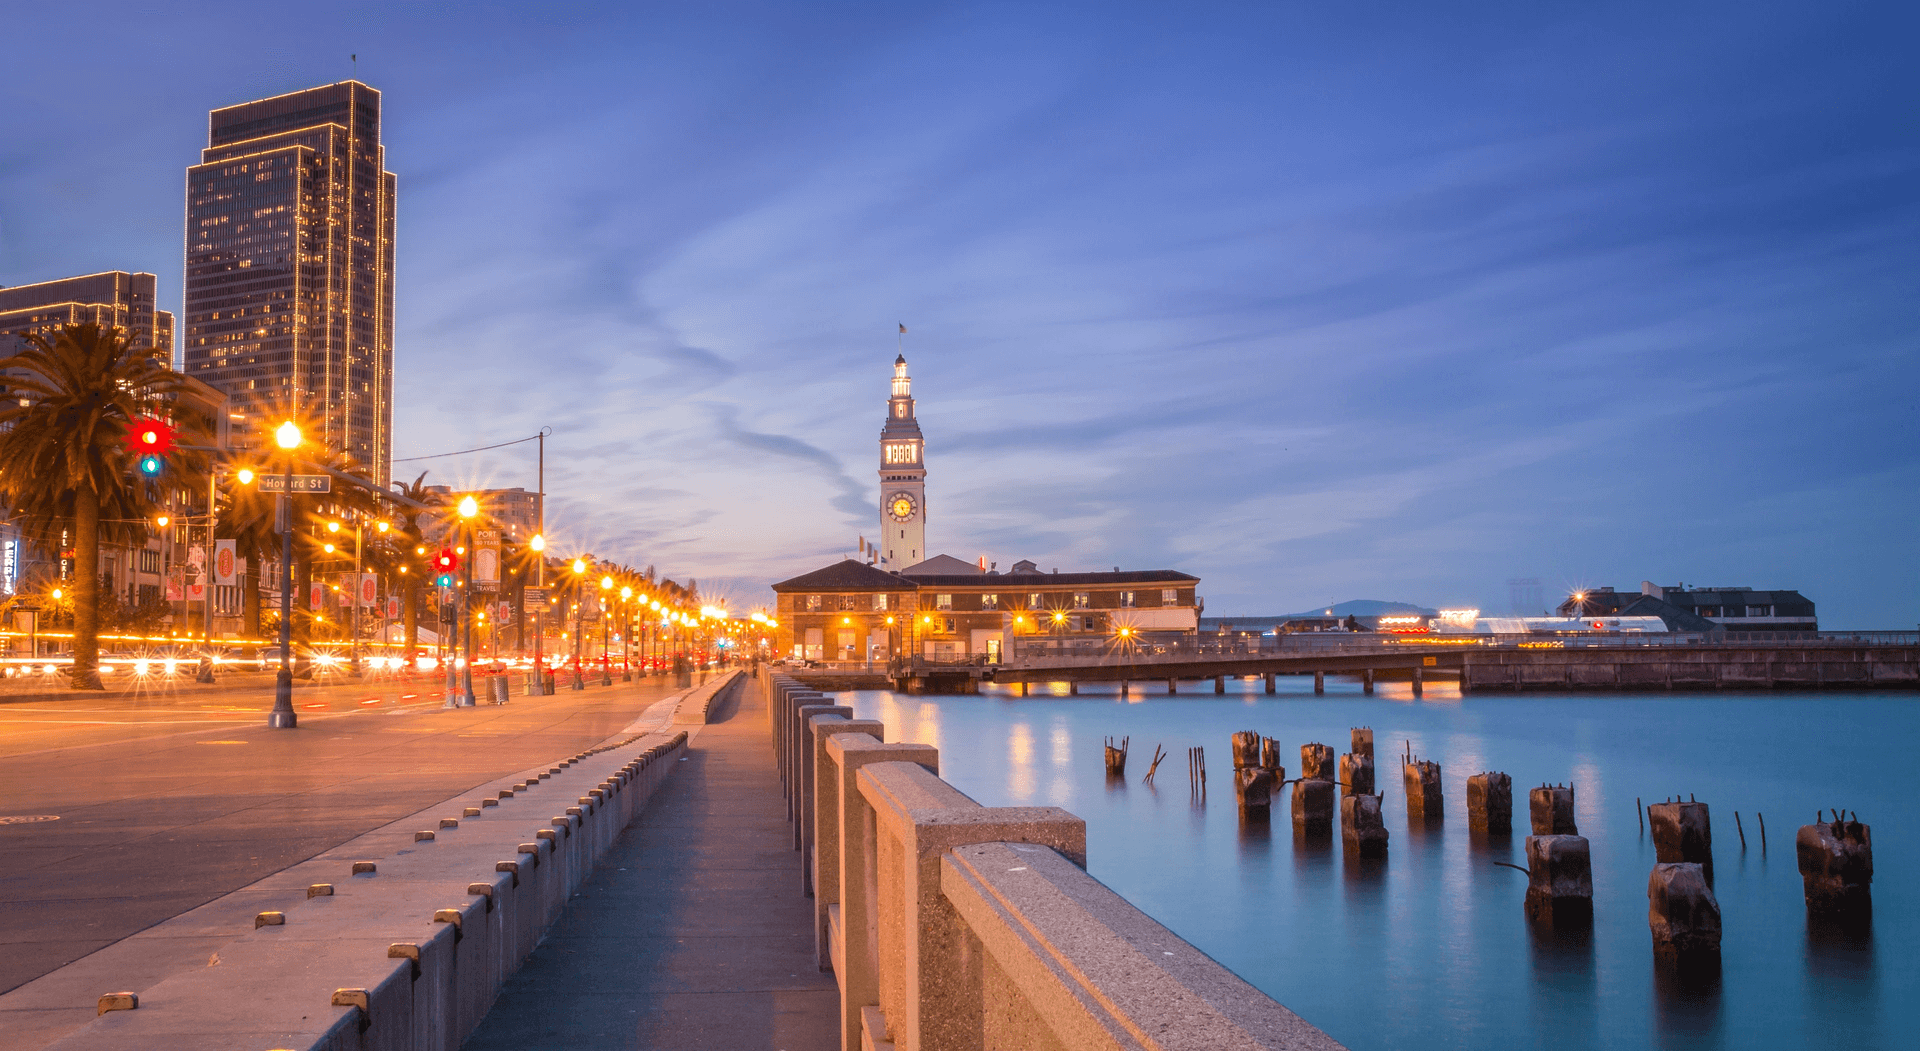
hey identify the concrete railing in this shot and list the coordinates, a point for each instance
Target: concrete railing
(406, 952)
(950, 926)
(697, 705)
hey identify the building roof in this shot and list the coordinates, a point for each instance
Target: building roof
(1676, 618)
(941, 566)
(846, 575)
(1013, 582)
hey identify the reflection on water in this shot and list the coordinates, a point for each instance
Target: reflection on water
(1429, 947)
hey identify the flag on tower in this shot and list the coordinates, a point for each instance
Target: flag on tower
(903, 328)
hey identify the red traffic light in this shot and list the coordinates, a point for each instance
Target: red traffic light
(149, 437)
(446, 561)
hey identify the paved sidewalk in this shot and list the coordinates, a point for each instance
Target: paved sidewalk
(692, 932)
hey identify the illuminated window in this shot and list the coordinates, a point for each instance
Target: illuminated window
(902, 452)
(1033, 600)
(880, 602)
(813, 603)
(1169, 597)
(989, 602)
(1080, 600)
(1126, 600)
(943, 602)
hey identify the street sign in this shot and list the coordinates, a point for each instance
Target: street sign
(302, 483)
(534, 596)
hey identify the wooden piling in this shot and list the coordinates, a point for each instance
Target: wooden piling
(1319, 682)
(1737, 827)
(1116, 757)
(1763, 832)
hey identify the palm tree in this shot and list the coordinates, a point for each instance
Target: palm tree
(64, 459)
(409, 540)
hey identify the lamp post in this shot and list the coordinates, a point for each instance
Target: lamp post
(287, 437)
(606, 669)
(539, 547)
(579, 596)
(626, 634)
(469, 507)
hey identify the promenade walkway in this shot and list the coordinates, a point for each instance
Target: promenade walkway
(692, 932)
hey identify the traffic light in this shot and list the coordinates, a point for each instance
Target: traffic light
(444, 580)
(150, 440)
(446, 562)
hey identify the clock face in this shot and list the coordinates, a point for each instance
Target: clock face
(901, 506)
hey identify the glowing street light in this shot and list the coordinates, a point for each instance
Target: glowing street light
(287, 435)
(245, 475)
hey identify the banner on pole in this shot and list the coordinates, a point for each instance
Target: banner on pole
(393, 608)
(226, 560)
(486, 560)
(316, 594)
(369, 589)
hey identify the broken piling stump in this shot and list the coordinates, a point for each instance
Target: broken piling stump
(1559, 880)
(1356, 775)
(1422, 778)
(1836, 866)
(1317, 762)
(1683, 914)
(1490, 803)
(1270, 754)
(1361, 828)
(1253, 782)
(1551, 809)
(1116, 757)
(1313, 802)
(1363, 741)
(1682, 832)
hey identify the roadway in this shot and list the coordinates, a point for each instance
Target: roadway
(119, 811)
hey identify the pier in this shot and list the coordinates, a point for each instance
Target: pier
(1487, 663)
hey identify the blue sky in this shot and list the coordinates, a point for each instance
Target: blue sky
(1314, 301)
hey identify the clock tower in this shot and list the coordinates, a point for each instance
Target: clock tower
(903, 479)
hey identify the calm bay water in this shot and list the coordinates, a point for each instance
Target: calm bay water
(1429, 949)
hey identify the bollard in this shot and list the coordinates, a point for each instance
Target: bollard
(1356, 775)
(1318, 763)
(1559, 880)
(1682, 832)
(1422, 778)
(1361, 827)
(1550, 808)
(1363, 741)
(1683, 914)
(1313, 802)
(1490, 804)
(1836, 866)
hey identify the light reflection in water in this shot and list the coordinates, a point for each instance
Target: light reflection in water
(1020, 762)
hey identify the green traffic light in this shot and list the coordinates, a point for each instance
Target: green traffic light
(150, 465)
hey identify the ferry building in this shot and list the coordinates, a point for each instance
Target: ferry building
(942, 609)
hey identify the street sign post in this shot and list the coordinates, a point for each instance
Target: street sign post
(302, 483)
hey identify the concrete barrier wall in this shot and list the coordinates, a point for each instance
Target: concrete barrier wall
(950, 926)
(407, 952)
(697, 705)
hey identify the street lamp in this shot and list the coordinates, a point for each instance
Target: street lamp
(287, 437)
(626, 634)
(469, 507)
(538, 545)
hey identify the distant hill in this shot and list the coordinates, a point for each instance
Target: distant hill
(1359, 607)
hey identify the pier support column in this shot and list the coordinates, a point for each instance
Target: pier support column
(1313, 805)
(1361, 828)
(1023, 689)
(1683, 832)
(1073, 687)
(1422, 778)
(1319, 682)
(1219, 684)
(1684, 916)
(1559, 880)
(1363, 741)
(1123, 687)
(1550, 810)
(1417, 691)
(1172, 687)
(1356, 775)
(1366, 682)
(1269, 678)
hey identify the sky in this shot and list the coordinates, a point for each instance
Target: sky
(1313, 301)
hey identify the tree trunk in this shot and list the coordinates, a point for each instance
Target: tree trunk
(86, 590)
(250, 599)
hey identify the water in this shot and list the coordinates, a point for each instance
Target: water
(1430, 949)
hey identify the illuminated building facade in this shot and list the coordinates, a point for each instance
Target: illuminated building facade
(115, 299)
(289, 265)
(903, 478)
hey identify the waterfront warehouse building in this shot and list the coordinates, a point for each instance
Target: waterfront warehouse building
(851, 611)
(289, 266)
(1702, 608)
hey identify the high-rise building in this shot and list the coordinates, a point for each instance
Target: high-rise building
(289, 289)
(903, 478)
(115, 299)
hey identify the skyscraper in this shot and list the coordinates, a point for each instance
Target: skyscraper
(903, 478)
(115, 299)
(289, 289)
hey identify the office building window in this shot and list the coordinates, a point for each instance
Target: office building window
(1759, 611)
